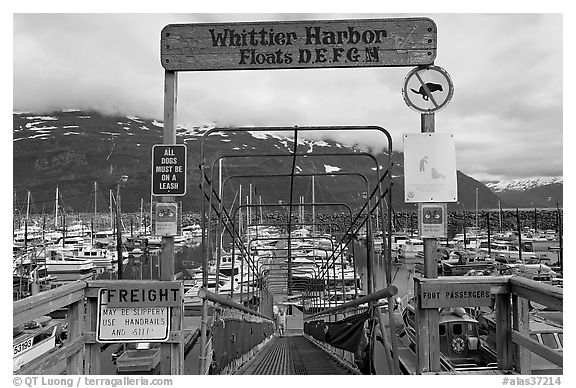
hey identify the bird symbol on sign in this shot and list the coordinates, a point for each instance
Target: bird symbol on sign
(432, 87)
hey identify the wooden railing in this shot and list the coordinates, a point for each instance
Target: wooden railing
(81, 352)
(71, 297)
(512, 296)
(524, 290)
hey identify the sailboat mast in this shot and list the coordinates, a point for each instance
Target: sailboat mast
(249, 205)
(26, 221)
(261, 215)
(28, 206)
(56, 218)
(111, 221)
(142, 215)
(95, 199)
(476, 212)
(240, 226)
(313, 207)
(499, 217)
(220, 179)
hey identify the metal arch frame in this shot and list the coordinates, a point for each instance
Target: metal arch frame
(296, 129)
(370, 247)
(296, 154)
(304, 204)
(298, 223)
(369, 238)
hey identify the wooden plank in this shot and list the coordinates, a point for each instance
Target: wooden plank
(44, 365)
(92, 366)
(434, 339)
(43, 306)
(422, 334)
(177, 348)
(436, 295)
(40, 304)
(74, 364)
(498, 284)
(503, 332)
(521, 323)
(542, 350)
(299, 44)
(546, 294)
(430, 266)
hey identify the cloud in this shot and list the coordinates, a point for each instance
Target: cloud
(506, 68)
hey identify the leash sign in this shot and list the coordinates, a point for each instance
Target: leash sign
(169, 169)
(427, 90)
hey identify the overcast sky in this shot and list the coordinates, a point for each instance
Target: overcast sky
(506, 111)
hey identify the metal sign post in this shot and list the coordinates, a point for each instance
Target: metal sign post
(427, 90)
(427, 320)
(171, 354)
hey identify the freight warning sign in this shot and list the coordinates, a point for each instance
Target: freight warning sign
(169, 169)
(131, 324)
(136, 312)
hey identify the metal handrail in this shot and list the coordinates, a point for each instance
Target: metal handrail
(205, 294)
(376, 295)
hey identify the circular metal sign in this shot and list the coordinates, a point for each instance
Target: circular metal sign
(427, 89)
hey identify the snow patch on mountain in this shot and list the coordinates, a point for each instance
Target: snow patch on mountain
(43, 118)
(522, 184)
(134, 118)
(258, 135)
(330, 169)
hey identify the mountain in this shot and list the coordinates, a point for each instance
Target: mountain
(535, 192)
(74, 149)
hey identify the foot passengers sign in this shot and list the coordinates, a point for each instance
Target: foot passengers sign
(169, 169)
(299, 44)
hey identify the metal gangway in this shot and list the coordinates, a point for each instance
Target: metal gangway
(318, 300)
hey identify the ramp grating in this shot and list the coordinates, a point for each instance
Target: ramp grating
(293, 355)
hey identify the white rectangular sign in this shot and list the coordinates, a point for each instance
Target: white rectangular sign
(131, 324)
(430, 167)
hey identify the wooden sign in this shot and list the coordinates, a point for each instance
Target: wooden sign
(450, 294)
(299, 44)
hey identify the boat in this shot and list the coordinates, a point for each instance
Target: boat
(34, 340)
(543, 329)
(411, 247)
(506, 251)
(100, 257)
(461, 348)
(466, 263)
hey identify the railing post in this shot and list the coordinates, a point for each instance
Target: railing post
(74, 363)
(92, 354)
(521, 323)
(504, 331)
(177, 349)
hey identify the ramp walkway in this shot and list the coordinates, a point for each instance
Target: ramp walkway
(293, 355)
